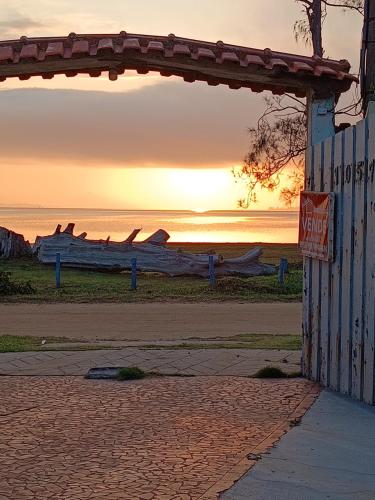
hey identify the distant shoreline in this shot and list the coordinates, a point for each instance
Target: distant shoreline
(166, 210)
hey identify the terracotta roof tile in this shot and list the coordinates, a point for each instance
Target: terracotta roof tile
(132, 43)
(30, 51)
(155, 46)
(80, 47)
(297, 67)
(324, 70)
(180, 49)
(250, 59)
(277, 63)
(228, 57)
(205, 53)
(55, 49)
(216, 63)
(6, 54)
(105, 44)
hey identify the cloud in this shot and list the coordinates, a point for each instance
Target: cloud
(14, 23)
(169, 124)
(20, 22)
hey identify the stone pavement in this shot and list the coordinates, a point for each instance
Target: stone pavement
(235, 362)
(331, 455)
(158, 438)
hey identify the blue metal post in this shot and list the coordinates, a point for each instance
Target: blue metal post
(211, 271)
(286, 266)
(58, 270)
(134, 274)
(283, 267)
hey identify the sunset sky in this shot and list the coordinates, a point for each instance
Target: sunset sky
(143, 141)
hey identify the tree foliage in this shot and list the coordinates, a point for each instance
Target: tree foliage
(278, 141)
(275, 144)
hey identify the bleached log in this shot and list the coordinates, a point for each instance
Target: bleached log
(160, 237)
(246, 265)
(151, 255)
(255, 253)
(69, 228)
(13, 244)
(132, 236)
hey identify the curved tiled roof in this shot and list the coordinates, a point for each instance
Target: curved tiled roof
(193, 60)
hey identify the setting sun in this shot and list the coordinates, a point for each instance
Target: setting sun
(199, 188)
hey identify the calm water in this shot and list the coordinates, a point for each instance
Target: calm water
(234, 226)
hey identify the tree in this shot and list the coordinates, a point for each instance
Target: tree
(278, 140)
(309, 29)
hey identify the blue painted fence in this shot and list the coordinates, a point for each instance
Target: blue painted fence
(339, 296)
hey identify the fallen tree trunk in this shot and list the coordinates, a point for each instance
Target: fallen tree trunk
(151, 254)
(13, 244)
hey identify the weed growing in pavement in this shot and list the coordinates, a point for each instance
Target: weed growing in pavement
(270, 372)
(131, 373)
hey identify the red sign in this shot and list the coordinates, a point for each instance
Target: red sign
(316, 225)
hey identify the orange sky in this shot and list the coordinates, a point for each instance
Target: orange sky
(140, 142)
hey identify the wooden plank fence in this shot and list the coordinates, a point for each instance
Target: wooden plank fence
(339, 296)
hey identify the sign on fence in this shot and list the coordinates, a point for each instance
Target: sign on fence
(316, 225)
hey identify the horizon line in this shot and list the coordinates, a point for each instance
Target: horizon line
(36, 207)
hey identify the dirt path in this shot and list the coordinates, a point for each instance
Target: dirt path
(151, 321)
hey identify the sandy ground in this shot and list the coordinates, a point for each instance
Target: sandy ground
(151, 321)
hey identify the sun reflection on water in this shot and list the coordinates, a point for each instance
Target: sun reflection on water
(212, 227)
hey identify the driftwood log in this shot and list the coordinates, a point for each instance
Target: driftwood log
(13, 244)
(152, 255)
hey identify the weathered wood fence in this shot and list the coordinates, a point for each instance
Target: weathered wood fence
(339, 296)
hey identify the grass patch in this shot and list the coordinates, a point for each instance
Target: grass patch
(17, 343)
(262, 285)
(89, 287)
(274, 372)
(10, 287)
(295, 374)
(270, 372)
(248, 341)
(131, 373)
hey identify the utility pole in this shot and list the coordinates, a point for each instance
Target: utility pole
(368, 55)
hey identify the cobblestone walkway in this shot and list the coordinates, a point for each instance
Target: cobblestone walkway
(159, 438)
(236, 362)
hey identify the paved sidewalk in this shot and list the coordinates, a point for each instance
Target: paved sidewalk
(160, 438)
(331, 455)
(237, 362)
(151, 321)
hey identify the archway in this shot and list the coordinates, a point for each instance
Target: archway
(320, 80)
